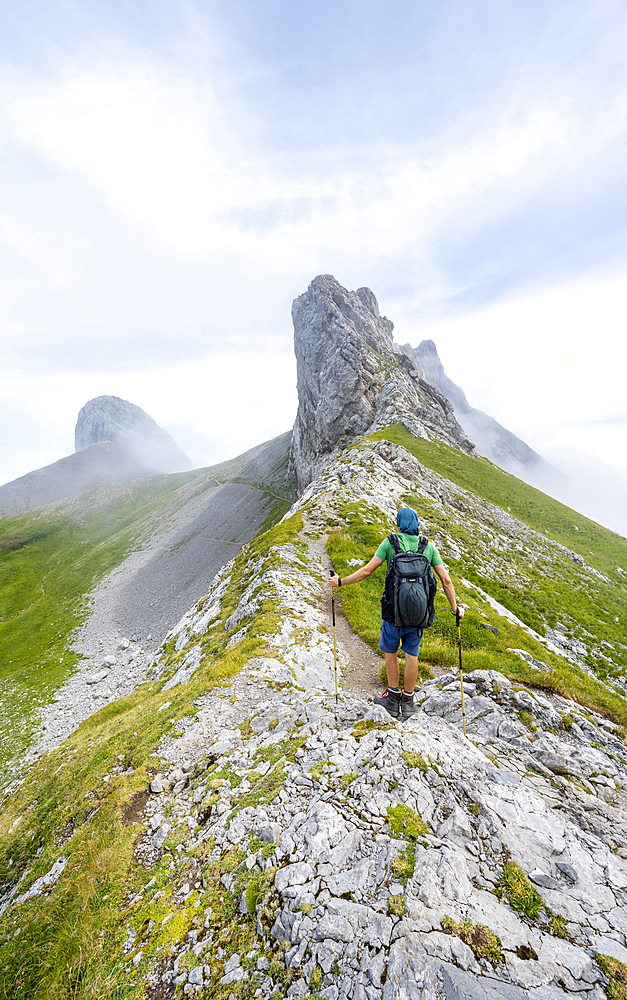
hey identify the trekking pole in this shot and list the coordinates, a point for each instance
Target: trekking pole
(331, 573)
(461, 676)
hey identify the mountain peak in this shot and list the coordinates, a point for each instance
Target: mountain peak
(491, 439)
(107, 418)
(352, 379)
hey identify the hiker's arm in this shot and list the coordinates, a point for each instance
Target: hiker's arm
(449, 589)
(358, 575)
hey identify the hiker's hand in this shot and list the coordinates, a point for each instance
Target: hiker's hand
(460, 611)
(334, 581)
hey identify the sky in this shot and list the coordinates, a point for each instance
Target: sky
(173, 174)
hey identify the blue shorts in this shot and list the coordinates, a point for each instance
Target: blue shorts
(391, 636)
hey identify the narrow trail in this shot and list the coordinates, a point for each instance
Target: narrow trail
(360, 673)
(361, 666)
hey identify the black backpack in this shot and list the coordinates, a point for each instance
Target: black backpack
(410, 586)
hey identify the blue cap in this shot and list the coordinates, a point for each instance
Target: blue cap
(407, 521)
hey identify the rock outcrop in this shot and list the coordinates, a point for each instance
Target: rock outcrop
(352, 380)
(491, 439)
(391, 863)
(107, 418)
(115, 441)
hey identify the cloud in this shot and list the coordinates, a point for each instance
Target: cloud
(156, 146)
(176, 178)
(549, 356)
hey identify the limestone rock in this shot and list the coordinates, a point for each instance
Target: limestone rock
(352, 380)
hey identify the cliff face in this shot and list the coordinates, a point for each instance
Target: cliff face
(352, 380)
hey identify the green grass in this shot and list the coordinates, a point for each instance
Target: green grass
(404, 864)
(514, 884)
(558, 591)
(48, 563)
(348, 779)
(415, 760)
(616, 972)
(365, 726)
(527, 720)
(483, 942)
(405, 823)
(396, 906)
(600, 547)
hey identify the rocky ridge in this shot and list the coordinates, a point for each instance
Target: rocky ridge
(348, 898)
(385, 858)
(307, 848)
(352, 380)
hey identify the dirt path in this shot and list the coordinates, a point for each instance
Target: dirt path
(360, 665)
(360, 673)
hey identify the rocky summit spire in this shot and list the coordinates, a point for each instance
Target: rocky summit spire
(352, 380)
(491, 439)
(107, 418)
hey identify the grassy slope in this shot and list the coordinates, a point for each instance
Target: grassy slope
(49, 562)
(599, 546)
(72, 802)
(555, 592)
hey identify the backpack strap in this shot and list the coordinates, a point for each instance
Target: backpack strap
(394, 542)
(422, 546)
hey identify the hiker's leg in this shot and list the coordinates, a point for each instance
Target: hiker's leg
(411, 673)
(388, 644)
(411, 646)
(391, 668)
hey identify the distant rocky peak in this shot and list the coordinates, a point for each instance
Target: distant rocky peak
(427, 361)
(353, 380)
(491, 439)
(109, 418)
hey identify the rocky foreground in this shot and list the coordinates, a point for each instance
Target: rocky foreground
(286, 845)
(292, 846)
(393, 862)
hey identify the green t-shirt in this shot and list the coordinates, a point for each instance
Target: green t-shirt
(408, 543)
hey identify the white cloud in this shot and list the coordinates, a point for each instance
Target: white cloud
(155, 144)
(146, 216)
(548, 356)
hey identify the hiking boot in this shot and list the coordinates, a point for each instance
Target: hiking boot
(408, 705)
(391, 702)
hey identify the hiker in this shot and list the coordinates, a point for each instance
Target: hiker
(401, 704)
